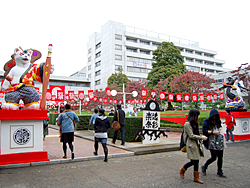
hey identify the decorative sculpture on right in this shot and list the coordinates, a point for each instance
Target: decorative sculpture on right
(234, 89)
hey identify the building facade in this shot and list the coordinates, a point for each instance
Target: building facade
(132, 49)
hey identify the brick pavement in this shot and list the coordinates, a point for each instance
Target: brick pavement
(82, 147)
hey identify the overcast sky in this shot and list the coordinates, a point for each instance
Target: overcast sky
(219, 25)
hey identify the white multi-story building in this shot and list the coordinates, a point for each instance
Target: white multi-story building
(132, 49)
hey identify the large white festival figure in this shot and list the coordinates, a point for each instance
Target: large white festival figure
(19, 80)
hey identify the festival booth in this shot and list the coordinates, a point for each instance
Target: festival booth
(241, 130)
(22, 136)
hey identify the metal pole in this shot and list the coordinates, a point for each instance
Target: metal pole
(124, 96)
(80, 107)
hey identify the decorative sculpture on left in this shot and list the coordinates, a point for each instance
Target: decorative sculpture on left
(20, 73)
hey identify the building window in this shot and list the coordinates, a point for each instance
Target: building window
(98, 82)
(97, 73)
(198, 53)
(139, 60)
(136, 79)
(131, 50)
(208, 55)
(145, 42)
(198, 61)
(131, 40)
(89, 67)
(97, 64)
(98, 55)
(89, 59)
(208, 70)
(137, 69)
(118, 37)
(118, 57)
(154, 44)
(89, 51)
(218, 65)
(118, 47)
(98, 45)
(189, 60)
(89, 75)
(189, 51)
(209, 63)
(193, 68)
(145, 52)
(117, 66)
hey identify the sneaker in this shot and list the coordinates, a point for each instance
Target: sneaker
(95, 153)
(220, 174)
(203, 170)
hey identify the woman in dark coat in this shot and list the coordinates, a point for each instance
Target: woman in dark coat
(101, 125)
(192, 139)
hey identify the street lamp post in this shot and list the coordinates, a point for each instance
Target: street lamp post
(114, 93)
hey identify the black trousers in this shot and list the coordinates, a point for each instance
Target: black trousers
(194, 163)
(214, 155)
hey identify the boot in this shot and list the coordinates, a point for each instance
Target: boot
(203, 169)
(182, 172)
(220, 174)
(196, 177)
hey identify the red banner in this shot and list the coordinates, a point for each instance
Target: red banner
(137, 101)
(105, 100)
(100, 99)
(153, 94)
(95, 98)
(1, 94)
(48, 95)
(91, 94)
(162, 95)
(186, 97)
(57, 92)
(129, 101)
(133, 101)
(110, 100)
(201, 97)
(97, 90)
(120, 101)
(81, 95)
(208, 97)
(71, 95)
(194, 97)
(178, 97)
(215, 96)
(170, 96)
(141, 101)
(221, 96)
(145, 100)
(108, 92)
(115, 101)
(144, 92)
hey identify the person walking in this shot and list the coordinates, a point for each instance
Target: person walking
(102, 124)
(134, 113)
(93, 118)
(67, 127)
(192, 139)
(121, 114)
(230, 123)
(211, 128)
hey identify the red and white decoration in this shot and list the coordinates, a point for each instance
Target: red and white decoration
(144, 92)
(170, 96)
(162, 95)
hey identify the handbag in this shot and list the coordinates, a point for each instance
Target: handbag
(116, 125)
(201, 148)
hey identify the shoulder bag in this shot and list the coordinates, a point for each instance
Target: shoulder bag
(74, 122)
(116, 125)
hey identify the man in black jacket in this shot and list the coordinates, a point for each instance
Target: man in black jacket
(122, 123)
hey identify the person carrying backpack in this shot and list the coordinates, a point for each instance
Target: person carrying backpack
(192, 139)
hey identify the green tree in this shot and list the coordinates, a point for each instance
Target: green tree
(118, 79)
(169, 62)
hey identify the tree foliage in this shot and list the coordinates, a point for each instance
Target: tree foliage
(118, 78)
(192, 82)
(169, 62)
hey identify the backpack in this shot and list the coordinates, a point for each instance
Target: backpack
(182, 144)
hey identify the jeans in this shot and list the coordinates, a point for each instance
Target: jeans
(122, 129)
(231, 133)
(194, 163)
